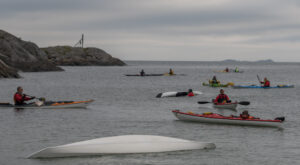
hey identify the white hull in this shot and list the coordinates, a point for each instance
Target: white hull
(226, 106)
(73, 105)
(173, 94)
(191, 118)
(126, 144)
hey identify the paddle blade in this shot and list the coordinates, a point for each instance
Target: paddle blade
(203, 102)
(244, 102)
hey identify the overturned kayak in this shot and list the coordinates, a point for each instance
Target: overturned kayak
(52, 104)
(176, 94)
(262, 87)
(225, 105)
(126, 144)
(219, 119)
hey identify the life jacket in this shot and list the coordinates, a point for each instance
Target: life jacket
(221, 98)
(191, 94)
(267, 83)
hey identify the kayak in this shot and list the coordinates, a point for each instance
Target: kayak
(255, 86)
(230, 71)
(125, 144)
(215, 85)
(176, 94)
(165, 74)
(138, 75)
(219, 119)
(52, 104)
(225, 105)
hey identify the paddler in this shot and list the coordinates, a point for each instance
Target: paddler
(142, 73)
(236, 69)
(266, 82)
(190, 93)
(171, 72)
(222, 98)
(214, 80)
(20, 98)
(245, 115)
(226, 70)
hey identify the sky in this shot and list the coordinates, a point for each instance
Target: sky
(162, 30)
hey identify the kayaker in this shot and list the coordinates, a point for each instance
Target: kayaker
(226, 70)
(190, 93)
(171, 72)
(20, 98)
(236, 69)
(214, 80)
(142, 73)
(245, 115)
(266, 82)
(222, 98)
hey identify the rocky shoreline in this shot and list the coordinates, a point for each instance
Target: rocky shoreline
(18, 55)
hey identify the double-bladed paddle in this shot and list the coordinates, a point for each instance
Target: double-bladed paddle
(241, 102)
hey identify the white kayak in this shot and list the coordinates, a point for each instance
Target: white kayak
(225, 105)
(176, 94)
(220, 119)
(126, 144)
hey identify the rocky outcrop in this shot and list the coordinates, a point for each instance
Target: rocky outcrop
(23, 55)
(75, 56)
(7, 72)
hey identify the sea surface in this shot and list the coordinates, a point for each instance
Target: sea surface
(127, 105)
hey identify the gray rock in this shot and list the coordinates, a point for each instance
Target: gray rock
(7, 72)
(75, 56)
(23, 55)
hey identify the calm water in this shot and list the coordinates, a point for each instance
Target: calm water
(127, 105)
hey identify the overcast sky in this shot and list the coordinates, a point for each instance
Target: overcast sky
(162, 29)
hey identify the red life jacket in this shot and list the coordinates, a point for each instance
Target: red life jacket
(191, 94)
(221, 98)
(19, 99)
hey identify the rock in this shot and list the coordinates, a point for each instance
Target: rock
(75, 56)
(23, 55)
(7, 72)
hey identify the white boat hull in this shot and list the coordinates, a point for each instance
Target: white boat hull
(81, 104)
(126, 144)
(226, 106)
(174, 94)
(192, 118)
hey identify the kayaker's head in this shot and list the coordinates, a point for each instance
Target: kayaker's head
(20, 90)
(221, 91)
(245, 113)
(265, 79)
(190, 90)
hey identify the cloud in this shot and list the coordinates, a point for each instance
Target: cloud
(166, 28)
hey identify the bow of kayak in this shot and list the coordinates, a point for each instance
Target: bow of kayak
(126, 144)
(225, 105)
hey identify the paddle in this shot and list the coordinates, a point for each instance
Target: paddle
(241, 102)
(258, 79)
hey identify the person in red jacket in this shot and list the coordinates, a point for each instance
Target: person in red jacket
(190, 93)
(266, 82)
(222, 98)
(20, 98)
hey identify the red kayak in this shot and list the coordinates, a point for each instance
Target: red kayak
(209, 117)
